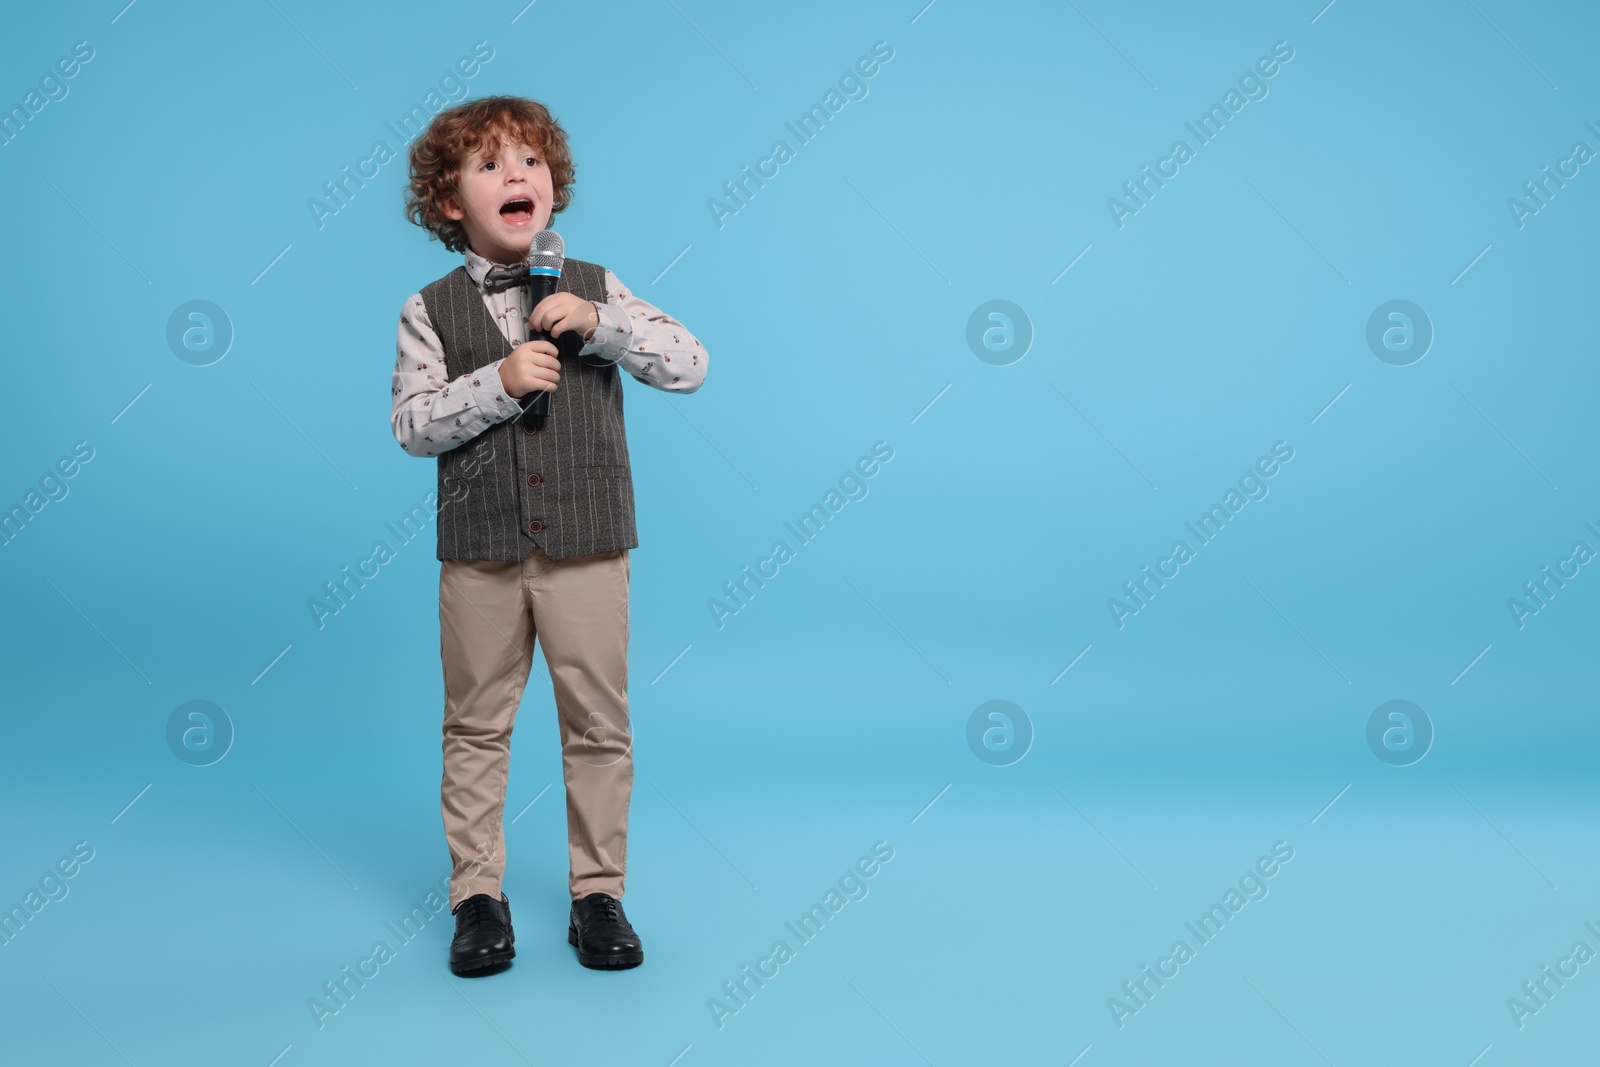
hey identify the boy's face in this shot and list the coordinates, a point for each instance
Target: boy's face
(513, 177)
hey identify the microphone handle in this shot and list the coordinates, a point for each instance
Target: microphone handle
(539, 287)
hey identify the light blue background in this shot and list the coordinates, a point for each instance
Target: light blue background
(1228, 314)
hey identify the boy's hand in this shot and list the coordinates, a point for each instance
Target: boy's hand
(531, 366)
(558, 313)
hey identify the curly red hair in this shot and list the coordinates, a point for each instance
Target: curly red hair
(436, 157)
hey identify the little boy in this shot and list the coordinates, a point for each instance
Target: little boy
(536, 516)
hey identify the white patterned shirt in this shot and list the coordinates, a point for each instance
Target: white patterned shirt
(432, 415)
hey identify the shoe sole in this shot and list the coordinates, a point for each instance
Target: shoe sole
(486, 962)
(610, 962)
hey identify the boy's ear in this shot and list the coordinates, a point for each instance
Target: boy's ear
(451, 210)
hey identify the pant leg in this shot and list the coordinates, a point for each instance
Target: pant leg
(580, 605)
(486, 636)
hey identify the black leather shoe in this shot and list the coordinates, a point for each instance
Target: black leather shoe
(483, 934)
(602, 935)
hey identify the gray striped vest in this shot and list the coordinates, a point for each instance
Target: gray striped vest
(563, 484)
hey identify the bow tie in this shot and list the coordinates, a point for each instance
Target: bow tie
(501, 277)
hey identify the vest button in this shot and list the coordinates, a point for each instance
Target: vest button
(534, 479)
(529, 428)
(535, 526)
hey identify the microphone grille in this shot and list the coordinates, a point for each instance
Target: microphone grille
(547, 253)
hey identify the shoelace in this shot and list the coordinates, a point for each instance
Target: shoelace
(481, 910)
(607, 909)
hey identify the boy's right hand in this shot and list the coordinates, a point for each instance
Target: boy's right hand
(531, 366)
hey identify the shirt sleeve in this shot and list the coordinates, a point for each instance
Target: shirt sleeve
(645, 341)
(432, 415)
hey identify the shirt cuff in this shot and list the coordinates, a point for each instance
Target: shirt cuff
(489, 394)
(611, 337)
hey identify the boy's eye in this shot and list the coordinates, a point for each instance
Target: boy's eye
(494, 163)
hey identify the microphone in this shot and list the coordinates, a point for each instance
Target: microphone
(546, 256)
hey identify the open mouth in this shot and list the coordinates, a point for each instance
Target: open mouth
(518, 211)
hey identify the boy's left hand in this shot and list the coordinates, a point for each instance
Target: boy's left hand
(558, 313)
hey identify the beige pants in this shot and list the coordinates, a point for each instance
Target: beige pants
(489, 616)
